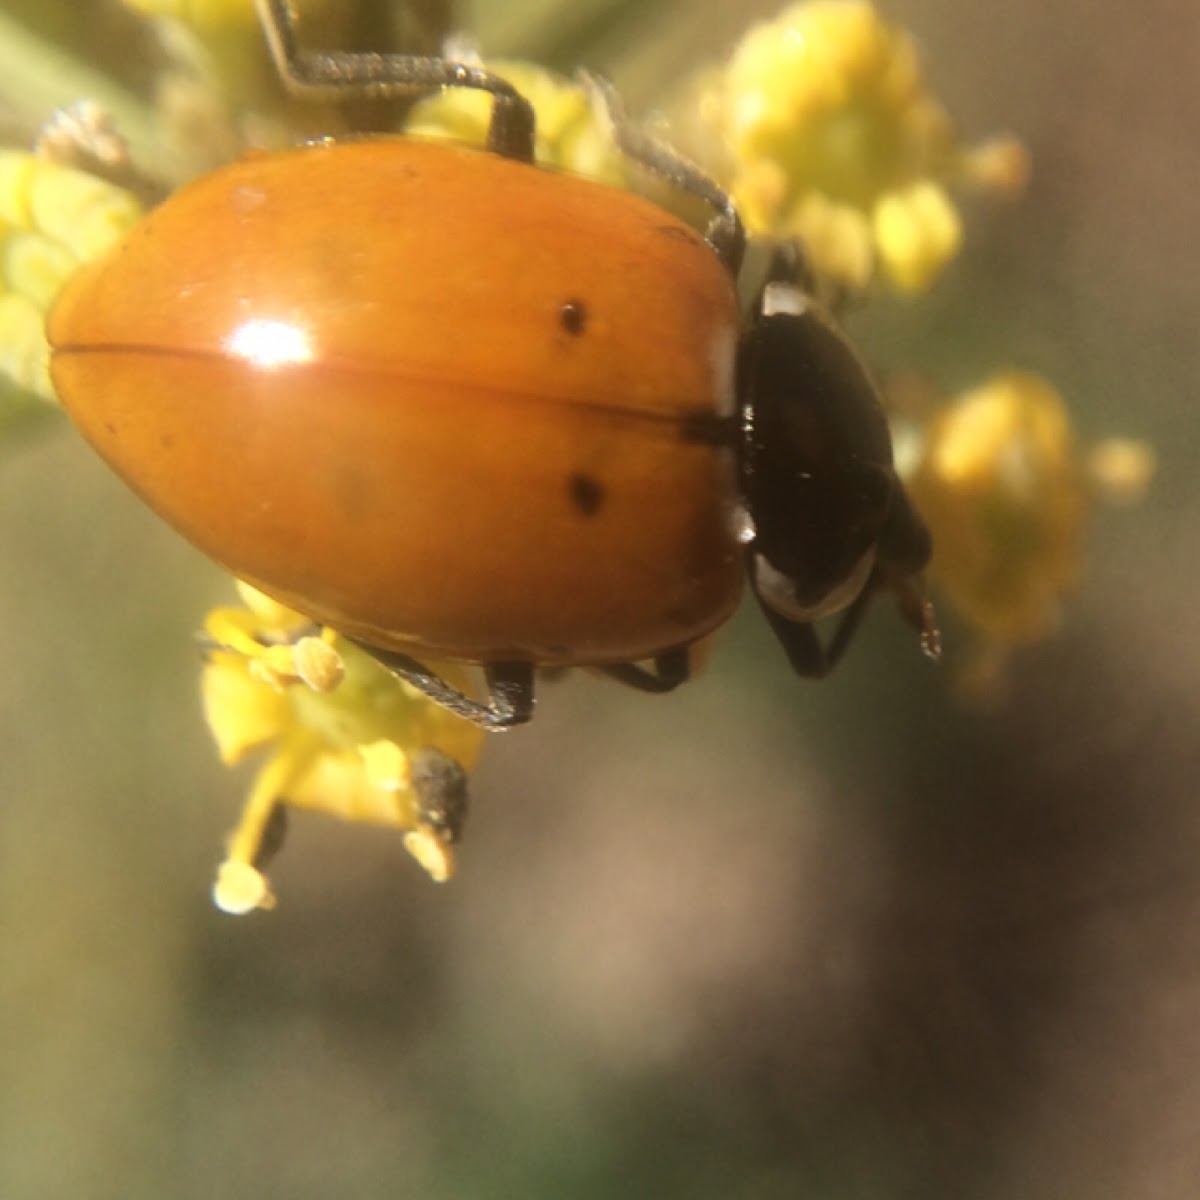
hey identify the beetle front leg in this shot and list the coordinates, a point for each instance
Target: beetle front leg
(809, 656)
(725, 233)
(813, 659)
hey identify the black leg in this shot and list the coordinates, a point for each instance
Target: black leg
(332, 74)
(510, 688)
(671, 668)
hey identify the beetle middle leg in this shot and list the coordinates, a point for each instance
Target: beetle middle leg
(671, 668)
(810, 657)
(330, 74)
(510, 688)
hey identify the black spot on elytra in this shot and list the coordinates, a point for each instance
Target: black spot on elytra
(586, 493)
(573, 316)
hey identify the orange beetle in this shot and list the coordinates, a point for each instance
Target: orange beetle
(449, 403)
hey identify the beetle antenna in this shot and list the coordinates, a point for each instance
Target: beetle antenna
(339, 74)
(724, 233)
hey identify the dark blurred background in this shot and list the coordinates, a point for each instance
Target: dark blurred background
(760, 939)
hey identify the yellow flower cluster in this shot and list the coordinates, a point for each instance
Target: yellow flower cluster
(341, 734)
(52, 219)
(830, 133)
(1003, 484)
(1007, 492)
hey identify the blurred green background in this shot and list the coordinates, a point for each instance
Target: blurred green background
(759, 939)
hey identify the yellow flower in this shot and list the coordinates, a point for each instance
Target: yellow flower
(342, 735)
(52, 219)
(1007, 492)
(830, 133)
(916, 231)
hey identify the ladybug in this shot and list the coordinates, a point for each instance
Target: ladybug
(457, 406)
